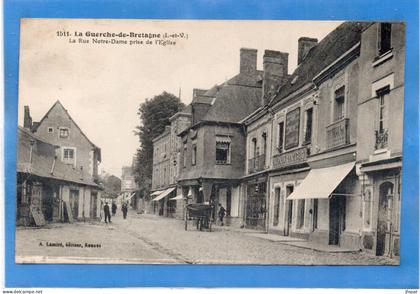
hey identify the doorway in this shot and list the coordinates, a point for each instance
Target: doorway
(289, 220)
(48, 203)
(74, 203)
(337, 219)
(385, 206)
(93, 205)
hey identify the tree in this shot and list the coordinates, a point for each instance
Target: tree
(111, 184)
(154, 115)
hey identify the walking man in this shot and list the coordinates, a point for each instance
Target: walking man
(107, 213)
(124, 209)
(222, 212)
(114, 208)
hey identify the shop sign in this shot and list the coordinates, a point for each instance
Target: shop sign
(290, 158)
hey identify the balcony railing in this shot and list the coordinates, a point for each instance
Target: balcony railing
(338, 133)
(381, 139)
(256, 164)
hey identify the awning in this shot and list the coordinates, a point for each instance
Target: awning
(177, 197)
(156, 193)
(164, 194)
(321, 182)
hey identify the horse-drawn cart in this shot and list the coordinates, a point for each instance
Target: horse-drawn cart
(201, 214)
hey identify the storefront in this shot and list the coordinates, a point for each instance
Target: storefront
(162, 205)
(331, 199)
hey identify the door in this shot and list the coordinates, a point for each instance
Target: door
(47, 203)
(256, 206)
(315, 216)
(74, 203)
(337, 217)
(289, 220)
(276, 214)
(93, 205)
(384, 209)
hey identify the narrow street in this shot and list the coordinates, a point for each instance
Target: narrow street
(153, 239)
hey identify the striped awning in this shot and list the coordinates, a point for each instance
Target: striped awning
(164, 194)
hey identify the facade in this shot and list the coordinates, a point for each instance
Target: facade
(49, 190)
(213, 148)
(315, 154)
(129, 191)
(380, 129)
(58, 128)
(74, 150)
(166, 159)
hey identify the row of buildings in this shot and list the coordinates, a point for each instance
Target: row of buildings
(315, 154)
(57, 170)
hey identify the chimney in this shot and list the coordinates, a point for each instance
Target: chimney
(27, 119)
(275, 64)
(304, 45)
(198, 92)
(248, 61)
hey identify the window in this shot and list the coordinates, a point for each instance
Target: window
(301, 213)
(254, 148)
(64, 132)
(264, 138)
(194, 154)
(222, 153)
(382, 128)
(384, 38)
(50, 130)
(185, 156)
(308, 126)
(281, 137)
(69, 155)
(339, 101)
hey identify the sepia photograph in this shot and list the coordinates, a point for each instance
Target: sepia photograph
(265, 142)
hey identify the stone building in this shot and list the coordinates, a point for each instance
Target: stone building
(74, 149)
(213, 148)
(49, 190)
(380, 135)
(167, 197)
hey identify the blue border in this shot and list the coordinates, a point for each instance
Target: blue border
(404, 276)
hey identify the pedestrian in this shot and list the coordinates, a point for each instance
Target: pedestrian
(124, 209)
(114, 208)
(222, 212)
(107, 213)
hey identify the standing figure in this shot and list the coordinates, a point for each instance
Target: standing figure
(124, 209)
(114, 208)
(222, 212)
(107, 213)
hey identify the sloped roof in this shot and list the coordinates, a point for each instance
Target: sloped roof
(43, 161)
(58, 103)
(335, 44)
(235, 99)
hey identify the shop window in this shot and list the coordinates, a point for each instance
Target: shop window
(308, 126)
(64, 133)
(69, 155)
(339, 103)
(194, 155)
(281, 137)
(384, 38)
(223, 150)
(301, 213)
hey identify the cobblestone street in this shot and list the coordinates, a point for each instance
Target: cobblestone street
(153, 239)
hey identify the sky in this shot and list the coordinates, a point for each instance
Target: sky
(102, 85)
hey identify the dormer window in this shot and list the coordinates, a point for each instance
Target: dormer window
(64, 133)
